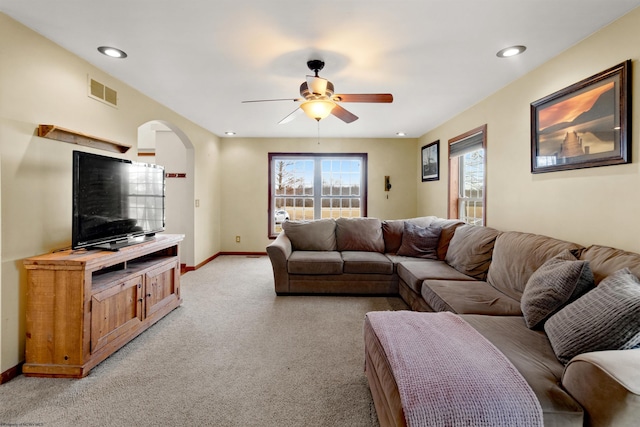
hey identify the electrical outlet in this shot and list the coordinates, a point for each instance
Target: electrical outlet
(197, 203)
(237, 239)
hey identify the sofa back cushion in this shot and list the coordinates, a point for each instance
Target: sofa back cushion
(471, 249)
(517, 255)
(392, 231)
(359, 234)
(605, 261)
(318, 235)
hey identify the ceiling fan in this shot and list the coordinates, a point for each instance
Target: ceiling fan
(319, 100)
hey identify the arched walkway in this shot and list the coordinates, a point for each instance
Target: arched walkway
(165, 144)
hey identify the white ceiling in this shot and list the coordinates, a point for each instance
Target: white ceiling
(201, 58)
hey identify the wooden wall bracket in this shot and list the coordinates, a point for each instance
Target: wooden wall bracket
(65, 135)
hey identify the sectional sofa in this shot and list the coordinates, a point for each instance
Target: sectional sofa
(347, 256)
(567, 317)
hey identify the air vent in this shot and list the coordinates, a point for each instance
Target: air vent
(102, 93)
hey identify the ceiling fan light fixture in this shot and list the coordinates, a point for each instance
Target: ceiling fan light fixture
(510, 51)
(318, 109)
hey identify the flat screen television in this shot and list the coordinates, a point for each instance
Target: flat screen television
(116, 202)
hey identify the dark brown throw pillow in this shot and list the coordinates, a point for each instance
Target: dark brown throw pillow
(392, 234)
(420, 242)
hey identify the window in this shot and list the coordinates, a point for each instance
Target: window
(467, 176)
(314, 186)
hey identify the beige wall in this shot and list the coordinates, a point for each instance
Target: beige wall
(43, 83)
(245, 182)
(587, 206)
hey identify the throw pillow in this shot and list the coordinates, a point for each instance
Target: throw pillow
(559, 281)
(605, 318)
(419, 242)
(318, 235)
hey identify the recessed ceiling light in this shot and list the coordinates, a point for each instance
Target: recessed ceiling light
(230, 133)
(401, 134)
(112, 52)
(511, 51)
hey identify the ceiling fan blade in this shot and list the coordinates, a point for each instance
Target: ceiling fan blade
(344, 115)
(364, 97)
(269, 100)
(295, 113)
(317, 85)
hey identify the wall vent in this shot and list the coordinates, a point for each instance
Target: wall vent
(102, 92)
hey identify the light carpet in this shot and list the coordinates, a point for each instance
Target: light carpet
(234, 354)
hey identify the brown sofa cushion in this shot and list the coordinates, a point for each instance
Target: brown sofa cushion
(558, 282)
(419, 242)
(318, 235)
(605, 318)
(392, 231)
(366, 262)
(470, 250)
(468, 297)
(605, 261)
(517, 255)
(413, 273)
(315, 262)
(359, 234)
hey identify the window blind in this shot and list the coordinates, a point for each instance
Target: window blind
(466, 145)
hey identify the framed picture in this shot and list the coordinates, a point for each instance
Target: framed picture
(431, 162)
(584, 125)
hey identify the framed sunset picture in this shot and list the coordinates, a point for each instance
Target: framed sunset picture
(584, 125)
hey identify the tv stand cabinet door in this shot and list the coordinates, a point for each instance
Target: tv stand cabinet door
(115, 312)
(162, 288)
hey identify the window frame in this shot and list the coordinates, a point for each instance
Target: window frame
(453, 207)
(271, 233)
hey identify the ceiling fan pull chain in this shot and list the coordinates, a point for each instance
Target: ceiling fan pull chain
(318, 132)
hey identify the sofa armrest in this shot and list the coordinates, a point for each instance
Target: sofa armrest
(607, 385)
(279, 251)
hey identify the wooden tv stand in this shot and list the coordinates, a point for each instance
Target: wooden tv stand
(83, 305)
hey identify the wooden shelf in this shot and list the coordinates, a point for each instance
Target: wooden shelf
(65, 135)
